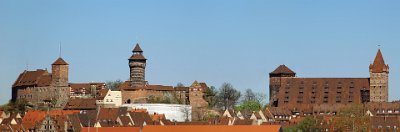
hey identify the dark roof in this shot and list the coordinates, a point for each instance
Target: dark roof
(33, 78)
(137, 48)
(379, 64)
(282, 69)
(60, 61)
(137, 57)
(81, 104)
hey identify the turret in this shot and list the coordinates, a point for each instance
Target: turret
(275, 78)
(59, 75)
(137, 65)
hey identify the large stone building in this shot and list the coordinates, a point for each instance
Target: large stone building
(43, 88)
(309, 95)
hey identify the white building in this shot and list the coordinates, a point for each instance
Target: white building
(109, 99)
(173, 112)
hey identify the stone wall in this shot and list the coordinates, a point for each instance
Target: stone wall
(379, 87)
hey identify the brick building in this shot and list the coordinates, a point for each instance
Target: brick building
(43, 88)
(309, 95)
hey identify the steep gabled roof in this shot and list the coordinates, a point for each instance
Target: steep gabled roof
(379, 64)
(31, 78)
(137, 48)
(60, 61)
(282, 69)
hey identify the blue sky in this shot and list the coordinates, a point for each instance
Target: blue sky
(214, 41)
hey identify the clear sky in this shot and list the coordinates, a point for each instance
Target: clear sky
(214, 41)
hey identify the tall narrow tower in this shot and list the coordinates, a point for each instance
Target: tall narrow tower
(59, 75)
(379, 74)
(275, 79)
(137, 65)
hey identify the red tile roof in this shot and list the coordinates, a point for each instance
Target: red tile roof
(282, 69)
(60, 61)
(137, 57)
(111, 129)
(32, 117)
(137, 48)
(31, 78)
(81, 104)
(212, 128)
(379, 64)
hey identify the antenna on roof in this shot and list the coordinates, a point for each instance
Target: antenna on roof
(60, 50)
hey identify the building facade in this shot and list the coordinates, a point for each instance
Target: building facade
(43, 88)
(311, 95)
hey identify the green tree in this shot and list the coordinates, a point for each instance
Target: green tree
(250, 105)
(211, 96)
(308, 124)
(21, 105)
(227, 96)
(114, 85)
(352, 118)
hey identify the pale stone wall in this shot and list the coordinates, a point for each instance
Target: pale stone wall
(174, 112)
(379, 87)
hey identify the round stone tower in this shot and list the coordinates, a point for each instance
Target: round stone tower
(137, 65)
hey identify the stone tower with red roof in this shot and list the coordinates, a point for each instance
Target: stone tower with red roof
(137, 65)
(59, 75)
(379, 76)
(275, 78)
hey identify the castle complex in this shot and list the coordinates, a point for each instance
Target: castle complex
(41, 88)
(308, 95)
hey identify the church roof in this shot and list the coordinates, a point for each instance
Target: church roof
(137, 48)
(379, 63)
(60, 61)
(282, 69)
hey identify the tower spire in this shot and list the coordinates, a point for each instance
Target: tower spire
(378, 65)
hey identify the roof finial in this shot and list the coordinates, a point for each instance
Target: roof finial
(379, 44)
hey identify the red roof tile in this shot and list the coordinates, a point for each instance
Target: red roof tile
(137, 57)
(282, 69)
(137, 48)
(212, 128)
(30, 78)
(60, 61)
(379, 64)
(111, 129)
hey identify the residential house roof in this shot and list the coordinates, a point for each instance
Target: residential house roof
(81, 104)
(111, 129)
(212, 128)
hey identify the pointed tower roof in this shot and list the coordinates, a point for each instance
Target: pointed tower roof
(282, 69)
(379, 64)
(60, 61)
(137, 48)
